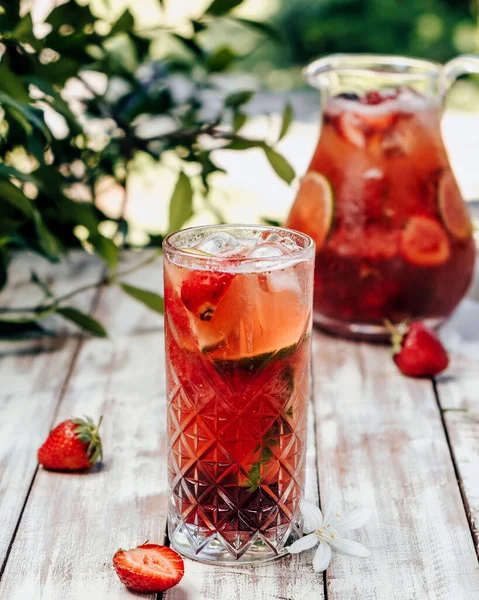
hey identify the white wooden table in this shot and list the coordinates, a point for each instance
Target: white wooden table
(408, 449)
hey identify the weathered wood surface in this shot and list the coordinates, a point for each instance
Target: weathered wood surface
(458, 394)
(32, 377)
(381, 443)
(375, 436)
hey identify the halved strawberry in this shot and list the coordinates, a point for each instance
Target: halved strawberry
(201, 292)
(149, 568)
(424, 242)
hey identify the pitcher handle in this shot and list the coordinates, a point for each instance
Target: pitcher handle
(462, 65)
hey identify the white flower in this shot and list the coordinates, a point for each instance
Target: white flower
(328, 530)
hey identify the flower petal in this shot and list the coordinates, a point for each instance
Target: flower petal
(304, 543)
(349, 547)
(356, 518)
(313, 517)
(322, 557)
(330, 508)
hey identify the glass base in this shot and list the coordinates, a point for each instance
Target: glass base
(363, 331)
(214, 549)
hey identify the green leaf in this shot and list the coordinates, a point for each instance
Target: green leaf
(125, 22)
(238, 98)
(220, 59)
(260, 27)
(243, 144)
(47, 242)
(272, 222)
(13, 330)
(239, 119)
(16, 198)
(61, 70)
(12, 84)
(58, 103)
(287, 119)
(34, 278)
(71, 13)
(198, 26)
(28, 113)
(23, 32)
(219, 8)
(181, 203)
(280, 165)
(82, 320)
(8, 172)
(106, 248)
(190, 43)
(149, 299)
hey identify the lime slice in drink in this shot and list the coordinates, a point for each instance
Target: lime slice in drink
(313, 209)
(452, 208)
(424, 242)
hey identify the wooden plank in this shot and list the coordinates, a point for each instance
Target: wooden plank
(73, 524)
(32, 375)
(288, 578)
(381, 444)
(458, 395)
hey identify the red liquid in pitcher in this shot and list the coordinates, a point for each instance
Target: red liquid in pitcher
(393, 233)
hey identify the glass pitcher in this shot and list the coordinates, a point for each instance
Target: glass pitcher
(393, 234)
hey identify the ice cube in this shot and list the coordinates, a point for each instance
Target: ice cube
(265, 250)
(218, 243)
(282, 280)
(290, 244)
(269, 237)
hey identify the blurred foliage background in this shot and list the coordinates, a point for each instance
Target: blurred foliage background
(100, 98)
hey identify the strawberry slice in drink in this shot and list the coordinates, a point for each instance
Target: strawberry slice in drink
(202, 291)
(424, 242)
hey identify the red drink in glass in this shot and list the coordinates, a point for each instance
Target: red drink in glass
(238, 318)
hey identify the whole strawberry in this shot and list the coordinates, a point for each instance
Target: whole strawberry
(73, 445)
(149, 568)
(417, 351)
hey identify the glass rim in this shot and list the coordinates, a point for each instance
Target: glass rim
(304, 253)
(379, 65)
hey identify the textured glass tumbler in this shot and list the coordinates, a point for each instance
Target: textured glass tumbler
(238, 315)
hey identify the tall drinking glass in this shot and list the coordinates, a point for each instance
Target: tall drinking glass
(238, 315)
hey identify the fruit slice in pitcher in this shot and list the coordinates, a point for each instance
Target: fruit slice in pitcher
(424, 242)
(313, 209)
(453, 209)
